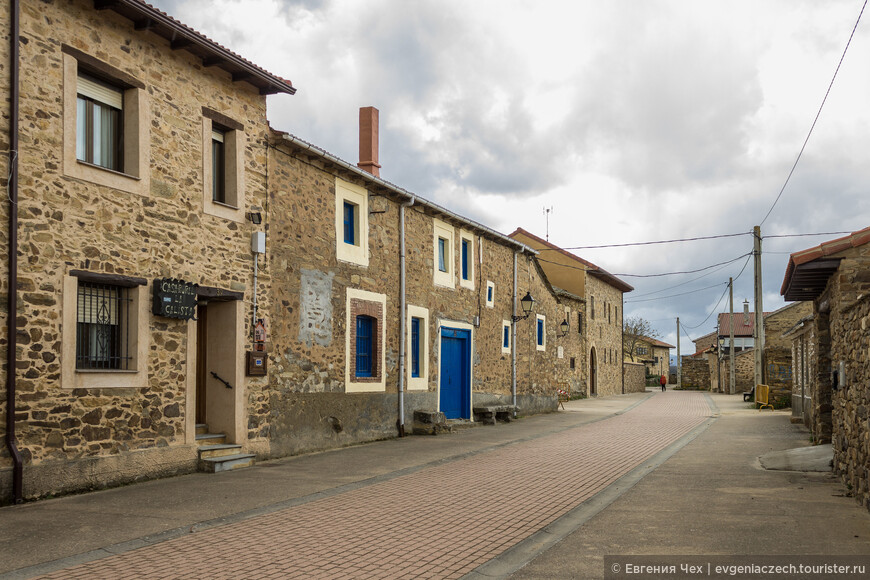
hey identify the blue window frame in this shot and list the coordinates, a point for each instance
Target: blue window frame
(442, 254)
(415, 347)
(506, 339)
(540, 332)
(364, 345)
(465, 245)
(349, 218)
(489, 294)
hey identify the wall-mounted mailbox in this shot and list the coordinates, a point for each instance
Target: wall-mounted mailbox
(256, 364)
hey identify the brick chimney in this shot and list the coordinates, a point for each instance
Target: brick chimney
(368, 141)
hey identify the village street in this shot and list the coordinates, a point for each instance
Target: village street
(648, 473)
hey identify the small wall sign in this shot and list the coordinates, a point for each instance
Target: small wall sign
(174, 298)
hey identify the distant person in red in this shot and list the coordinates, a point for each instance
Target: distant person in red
(664, 381)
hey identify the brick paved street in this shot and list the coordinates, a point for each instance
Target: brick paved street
(442, 521)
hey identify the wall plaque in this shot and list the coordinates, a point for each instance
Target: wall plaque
(174, 298)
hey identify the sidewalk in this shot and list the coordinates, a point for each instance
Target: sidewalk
(713, 498)
(119, 519)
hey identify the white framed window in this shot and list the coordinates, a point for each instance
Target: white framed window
(466, 260)
(540, 332)
(351, 223)
(490, 294)
(106, 124)
(365, 335)
(417, 346)
(506, 336)
(223, 145)
(105, 334)
(443, 255)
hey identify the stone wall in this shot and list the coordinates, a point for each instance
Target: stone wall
(847, 299)
(604, 310)
(803, 371)
(635, 377)
(74, 223)
(744, 365)
(695, 373)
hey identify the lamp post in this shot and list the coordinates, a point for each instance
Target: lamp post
(564, 328)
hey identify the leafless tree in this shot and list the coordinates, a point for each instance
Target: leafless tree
(635, 330)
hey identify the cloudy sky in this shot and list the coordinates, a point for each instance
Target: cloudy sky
(633, 120)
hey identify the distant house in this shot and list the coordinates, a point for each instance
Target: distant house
(702, 343)
(831, 349)
(653, 353)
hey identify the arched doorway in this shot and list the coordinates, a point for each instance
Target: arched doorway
(593, 373)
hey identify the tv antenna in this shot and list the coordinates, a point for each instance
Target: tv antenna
(547, 211)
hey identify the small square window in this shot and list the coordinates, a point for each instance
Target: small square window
(490, 294)
(541, 332)
(505, 336)
(351, 223)
(573, 363)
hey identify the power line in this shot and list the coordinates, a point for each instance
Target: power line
(673, 295)
(721, 297)
(805, 235)
(634, 296)
(599, 270)
(647, 243)
(813, 126)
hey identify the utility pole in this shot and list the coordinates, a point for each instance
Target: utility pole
(731, 378)
(759, 309)
(679, 360)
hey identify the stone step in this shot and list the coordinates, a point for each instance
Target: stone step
(211, 439)
(460, 424)
(220, 450)
(227, 462)
(201, 428)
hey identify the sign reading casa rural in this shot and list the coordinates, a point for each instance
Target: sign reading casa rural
(174, 298)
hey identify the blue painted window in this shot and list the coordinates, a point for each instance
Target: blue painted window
(465, 245)
(540, 332)
(489, 294)
(442, 254)
(364, 345)
(506, 339)
(349, 218)
(415, 347)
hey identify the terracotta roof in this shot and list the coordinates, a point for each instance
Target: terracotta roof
(593, 270)
(658, 343)
(742, 327)
(147, 18)
(807, 272)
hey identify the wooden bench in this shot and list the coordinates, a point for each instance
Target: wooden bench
(489, 414)
(749, 395)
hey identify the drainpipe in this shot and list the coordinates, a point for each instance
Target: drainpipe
(402, 315)
(12, 188)
(514, 342)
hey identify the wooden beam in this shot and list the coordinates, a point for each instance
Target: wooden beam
(104, 4)
(180, 43)
(212, 61)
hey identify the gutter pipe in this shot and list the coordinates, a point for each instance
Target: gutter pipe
(12, 295)
(402, 315)
(514, 342)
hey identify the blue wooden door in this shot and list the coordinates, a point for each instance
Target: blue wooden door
(455, 385)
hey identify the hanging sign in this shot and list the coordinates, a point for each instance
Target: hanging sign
(174, 298)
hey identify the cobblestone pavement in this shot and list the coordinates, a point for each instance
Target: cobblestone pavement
(439, 522)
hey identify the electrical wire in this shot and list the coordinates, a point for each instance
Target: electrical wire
(648, 243)
(673, 295)
(813, 126)
(599, 270)
(721, 297)
(805, 235)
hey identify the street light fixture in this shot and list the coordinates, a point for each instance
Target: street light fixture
(564, 327)
(527, 303)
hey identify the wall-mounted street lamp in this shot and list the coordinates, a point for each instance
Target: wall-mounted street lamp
(527, 303)
(564, 328)
(255, 217)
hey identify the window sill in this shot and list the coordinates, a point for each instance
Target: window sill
(107, 371)
(222, 204)
(106, 169)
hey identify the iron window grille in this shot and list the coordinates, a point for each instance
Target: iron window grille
(415, 347)
(102, 332)
(365, 326)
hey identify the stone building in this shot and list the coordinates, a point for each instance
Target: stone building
(138, 167)
(186, 275)
(462, 284)
(601, 322)
(835, 351)
(654, 354)
(702, 343)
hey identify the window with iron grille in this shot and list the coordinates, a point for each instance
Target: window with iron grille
(415, 347)
(102, 336)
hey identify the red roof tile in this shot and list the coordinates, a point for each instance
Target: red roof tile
(853, 240)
